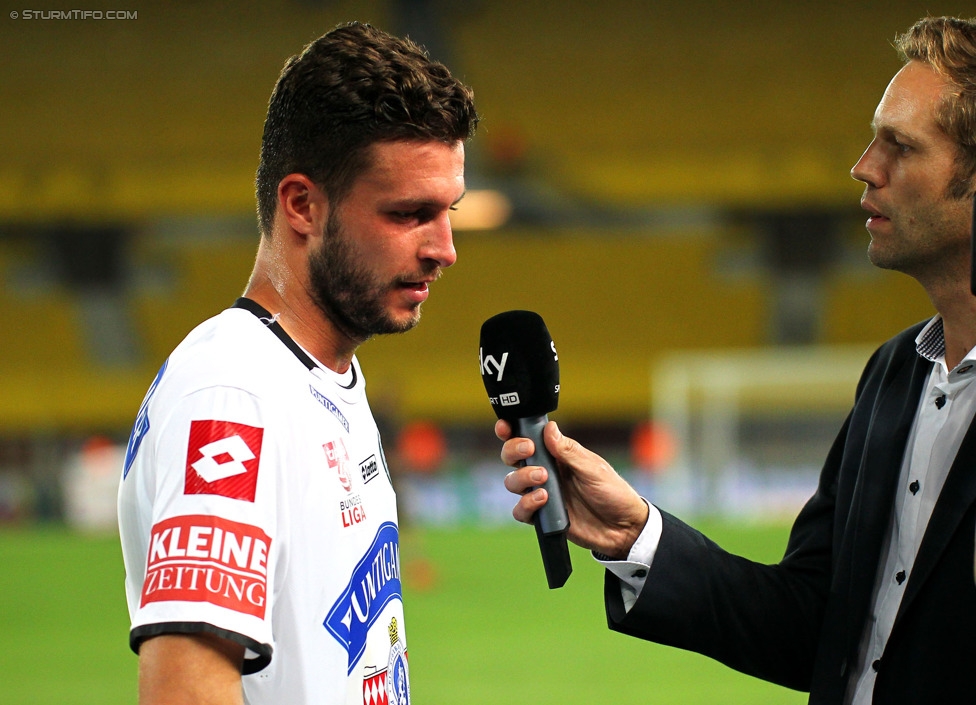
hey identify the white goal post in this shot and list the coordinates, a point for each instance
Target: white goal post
(706, 398)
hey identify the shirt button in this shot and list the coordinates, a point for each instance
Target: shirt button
(900, 577)
(967, 368)
(640, 573)
(914, 487)
(876, 665)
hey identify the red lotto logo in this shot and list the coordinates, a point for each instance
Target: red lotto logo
(223, 459)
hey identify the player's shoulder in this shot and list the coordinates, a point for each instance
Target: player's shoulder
(231, 349)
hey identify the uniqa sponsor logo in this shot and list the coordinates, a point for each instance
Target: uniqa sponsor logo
(373, 584)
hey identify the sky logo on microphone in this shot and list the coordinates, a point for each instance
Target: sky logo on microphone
(488, 361)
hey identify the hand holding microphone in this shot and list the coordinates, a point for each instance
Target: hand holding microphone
(520, 370)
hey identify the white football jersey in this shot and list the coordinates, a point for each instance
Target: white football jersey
(256, 504)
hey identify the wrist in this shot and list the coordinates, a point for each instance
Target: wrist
(619, 543)
(637, 526)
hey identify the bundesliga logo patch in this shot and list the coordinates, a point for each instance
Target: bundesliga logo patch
(199, 558)
(338, 458)
(223, 458)
(351, 508)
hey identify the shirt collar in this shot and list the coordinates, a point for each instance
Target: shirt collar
(930, 343)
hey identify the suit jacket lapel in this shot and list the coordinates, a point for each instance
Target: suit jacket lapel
(887, 437)
(958, 494)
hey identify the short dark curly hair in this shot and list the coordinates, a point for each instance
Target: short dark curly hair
(350, 88)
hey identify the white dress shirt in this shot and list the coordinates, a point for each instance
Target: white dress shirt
(943, 417)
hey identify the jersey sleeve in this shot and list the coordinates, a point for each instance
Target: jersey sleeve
(203, 493)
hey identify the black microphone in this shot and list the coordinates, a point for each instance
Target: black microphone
(520, 369)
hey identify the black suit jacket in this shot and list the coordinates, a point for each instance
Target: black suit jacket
(799, 622)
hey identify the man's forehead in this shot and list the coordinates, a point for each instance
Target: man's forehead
(911, 96)
(413, 151)
(413, 164)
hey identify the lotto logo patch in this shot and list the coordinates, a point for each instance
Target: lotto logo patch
(222, 459)
(200, 558)
(369, 468)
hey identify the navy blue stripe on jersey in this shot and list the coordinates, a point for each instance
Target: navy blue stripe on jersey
(271, 322)
(250, 665)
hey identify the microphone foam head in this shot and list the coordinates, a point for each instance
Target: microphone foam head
(519, 365)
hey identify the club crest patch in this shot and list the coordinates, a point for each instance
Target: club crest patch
(389, 685)
(397, 676)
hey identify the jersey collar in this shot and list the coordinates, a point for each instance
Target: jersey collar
(271, 322)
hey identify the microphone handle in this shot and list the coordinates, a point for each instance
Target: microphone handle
(552, 516)
(551, 521)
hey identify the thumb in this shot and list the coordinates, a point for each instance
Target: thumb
(571, 453)
(560, 446)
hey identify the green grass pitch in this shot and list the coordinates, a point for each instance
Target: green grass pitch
(482, 627)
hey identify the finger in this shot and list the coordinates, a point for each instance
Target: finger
(529, 504)
(524, 479)
(503, 430)
(515, 450)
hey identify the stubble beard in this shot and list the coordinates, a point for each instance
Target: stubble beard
(924, 248)
(349, 294)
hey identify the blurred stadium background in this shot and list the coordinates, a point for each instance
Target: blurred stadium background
(665, 182)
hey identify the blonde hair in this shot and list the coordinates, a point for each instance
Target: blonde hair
(948, 44)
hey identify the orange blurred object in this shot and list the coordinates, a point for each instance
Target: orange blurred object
(652, 446)
(422, 446)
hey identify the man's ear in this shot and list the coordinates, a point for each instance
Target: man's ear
(302, 204)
